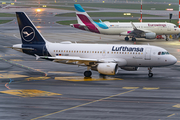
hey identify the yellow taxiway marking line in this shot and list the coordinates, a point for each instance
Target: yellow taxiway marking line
(83, 104)
(37, 78)
(29, 93)
(10, 75)
(177, 106)
(130, 87)
(14, 71)
(151, 88)
(78, 79)
(61, 72)
(16, 60)
(171, 115)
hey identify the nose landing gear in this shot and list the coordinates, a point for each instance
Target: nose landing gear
(150, 72)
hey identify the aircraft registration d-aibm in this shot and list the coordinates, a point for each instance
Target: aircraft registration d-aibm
(104, 58)
(147, 30)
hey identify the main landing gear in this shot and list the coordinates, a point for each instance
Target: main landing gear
(133, 39)
(88, 73)
(150, 72)
(126, 38)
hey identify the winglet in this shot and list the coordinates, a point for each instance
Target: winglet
(134, 27)
(100, 20)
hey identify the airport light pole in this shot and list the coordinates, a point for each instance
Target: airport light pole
(179, 13)
(141, 11)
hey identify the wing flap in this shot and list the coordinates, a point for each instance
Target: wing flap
(72, 58)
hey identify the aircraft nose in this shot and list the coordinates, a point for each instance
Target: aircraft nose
(172, 60)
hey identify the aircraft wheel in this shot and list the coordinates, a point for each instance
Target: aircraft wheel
(126, 38)
(133, 39)
(87, 73)
(150, 74)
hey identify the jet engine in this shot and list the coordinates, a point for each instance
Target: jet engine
(130, 68)
(106, 68)
(150, 35)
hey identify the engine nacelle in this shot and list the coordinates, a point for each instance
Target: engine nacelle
(130, 68)
(150, 35)
(107, 68)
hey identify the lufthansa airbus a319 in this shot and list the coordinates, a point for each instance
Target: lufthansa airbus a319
(104, 58)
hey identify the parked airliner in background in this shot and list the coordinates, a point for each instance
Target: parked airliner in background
(104, 58)
(148, 30)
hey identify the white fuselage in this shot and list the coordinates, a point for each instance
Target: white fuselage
(124, 55)
(123, 28)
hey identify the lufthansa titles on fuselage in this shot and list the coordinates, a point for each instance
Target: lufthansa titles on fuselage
(129, 49)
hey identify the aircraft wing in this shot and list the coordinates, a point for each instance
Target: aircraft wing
(79, 60)
(73, 58)
(137, 32)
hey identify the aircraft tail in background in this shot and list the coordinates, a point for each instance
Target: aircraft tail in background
(85, 22)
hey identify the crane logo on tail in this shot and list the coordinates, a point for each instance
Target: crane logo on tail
(28, 33)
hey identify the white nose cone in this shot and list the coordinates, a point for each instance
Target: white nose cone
(172, 60)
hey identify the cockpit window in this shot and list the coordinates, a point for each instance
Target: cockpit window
(163, 53)
(175, 26)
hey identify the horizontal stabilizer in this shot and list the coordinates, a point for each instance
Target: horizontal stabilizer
(19, 48)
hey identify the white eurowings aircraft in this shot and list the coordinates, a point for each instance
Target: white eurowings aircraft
(148, 30)
(104, 58)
